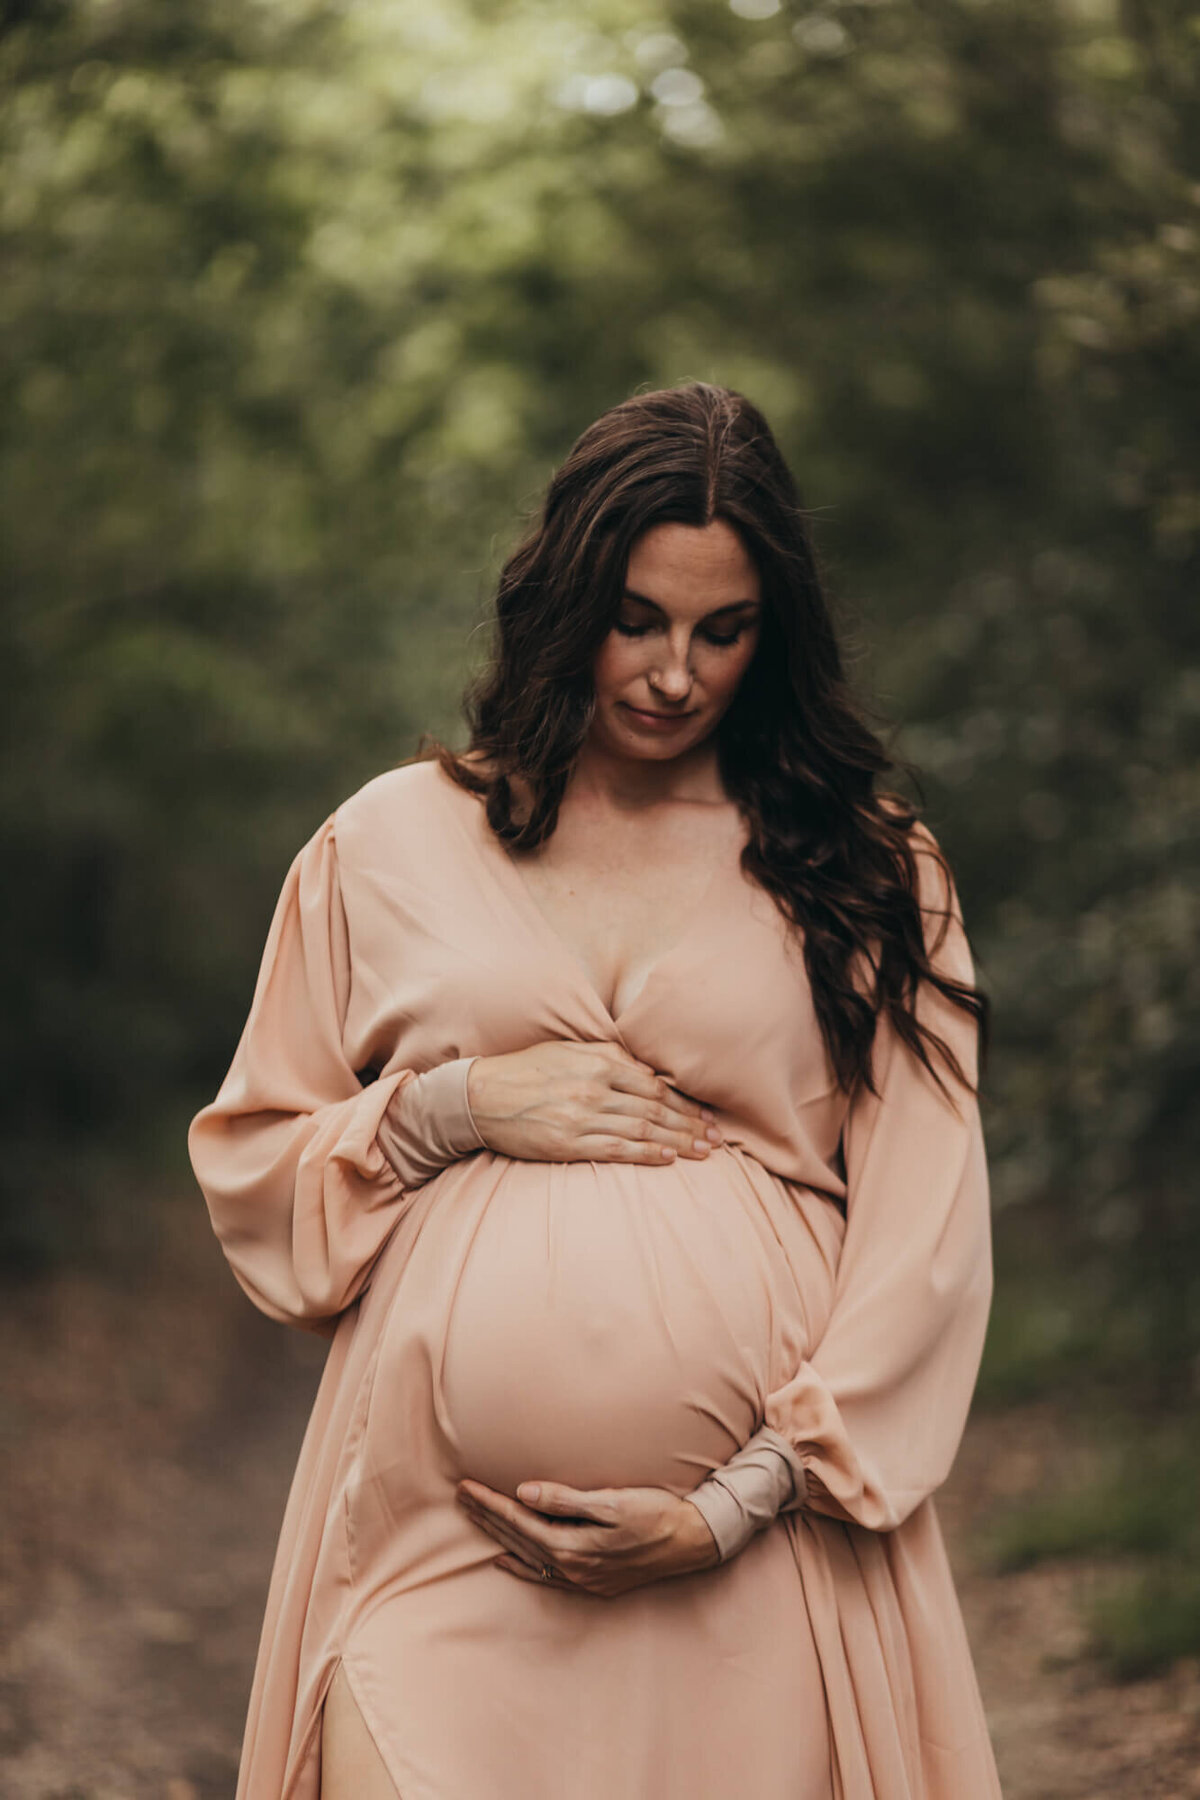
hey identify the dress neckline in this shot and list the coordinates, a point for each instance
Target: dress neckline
(540, 926)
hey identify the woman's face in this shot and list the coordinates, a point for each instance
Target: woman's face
(687, 627)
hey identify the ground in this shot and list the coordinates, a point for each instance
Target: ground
(148, 1432)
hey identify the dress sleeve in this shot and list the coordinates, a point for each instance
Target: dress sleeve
(306, 1171)
(746, 1494)
(877, 1413)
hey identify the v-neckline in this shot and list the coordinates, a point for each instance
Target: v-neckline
(542, 928)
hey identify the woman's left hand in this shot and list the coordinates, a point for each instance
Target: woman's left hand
(602, 1541)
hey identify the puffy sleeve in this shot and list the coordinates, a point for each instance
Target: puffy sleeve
(305, 1170)
(876, 1415)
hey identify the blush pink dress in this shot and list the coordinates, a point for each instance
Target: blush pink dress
(826, 1273)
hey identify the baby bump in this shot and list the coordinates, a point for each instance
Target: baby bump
(612, 1326)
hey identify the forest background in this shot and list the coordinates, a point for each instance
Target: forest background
(301, 303)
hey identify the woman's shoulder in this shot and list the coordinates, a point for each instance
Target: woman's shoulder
(400, 807)
(397, 786)
(919, 834)
(935, 891)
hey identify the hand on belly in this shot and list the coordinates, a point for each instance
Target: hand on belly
(563, 1101)
(604, 1542)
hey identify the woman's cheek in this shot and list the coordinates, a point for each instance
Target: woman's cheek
(617, 663)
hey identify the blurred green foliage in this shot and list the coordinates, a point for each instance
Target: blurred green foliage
(1130, 1526)
(1151, 1618)
(1132, 1505)
(303, 300)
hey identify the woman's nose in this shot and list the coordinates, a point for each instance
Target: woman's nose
(673, 679)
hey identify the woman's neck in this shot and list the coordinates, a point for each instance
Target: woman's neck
(629, 784)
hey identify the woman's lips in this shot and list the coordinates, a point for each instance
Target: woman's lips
(651, 721)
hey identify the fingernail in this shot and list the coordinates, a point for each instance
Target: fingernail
(707, 1113)
(530, 1492)
(701, 1148)
(715, 1135)
(667, 1153)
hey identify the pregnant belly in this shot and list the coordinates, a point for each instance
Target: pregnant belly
(612, 1326)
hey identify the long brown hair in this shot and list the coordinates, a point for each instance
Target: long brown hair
(833, 849)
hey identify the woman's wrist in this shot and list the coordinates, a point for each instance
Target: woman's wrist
(701, 1548)
(746, 1494)
(429, 1123)
(471, 1080)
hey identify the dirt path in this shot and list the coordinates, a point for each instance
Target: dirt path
(1061, 1731)
(148, 1437)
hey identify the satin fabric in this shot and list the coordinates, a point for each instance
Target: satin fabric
(826, 1274)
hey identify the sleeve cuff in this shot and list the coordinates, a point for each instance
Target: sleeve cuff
(764, 1478)
(428, 1123)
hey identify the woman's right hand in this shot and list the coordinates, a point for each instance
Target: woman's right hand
(570, 1102)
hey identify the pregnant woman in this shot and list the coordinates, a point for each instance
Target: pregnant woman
(608, 1098)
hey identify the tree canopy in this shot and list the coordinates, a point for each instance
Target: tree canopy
(303, 300)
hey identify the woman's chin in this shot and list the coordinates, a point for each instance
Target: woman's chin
(620, 736)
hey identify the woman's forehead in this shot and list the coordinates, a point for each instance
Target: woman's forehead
(691, 568)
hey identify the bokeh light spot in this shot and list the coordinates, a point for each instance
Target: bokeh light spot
(696, 125)
(659, 50)
(821, 36)
(606, 94)
(677, 87)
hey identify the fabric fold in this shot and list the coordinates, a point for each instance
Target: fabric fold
(301, 1196)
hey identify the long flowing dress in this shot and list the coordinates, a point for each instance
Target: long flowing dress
(826, 1272)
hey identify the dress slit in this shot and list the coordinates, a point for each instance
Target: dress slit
(353, 1766)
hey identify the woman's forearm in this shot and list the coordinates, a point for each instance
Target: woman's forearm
(746, 1494)
(429, 1123)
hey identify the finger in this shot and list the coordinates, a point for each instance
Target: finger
(650, 1086)
(663, 1085)
(527, 1524)
(601, 1147)
(622, 1064)
(488, 1515)
(684, 1135)
(625, 1059)
(494, 1500)
(535, 1555)
(524, 1573)
(671, 1119)
(627, 1138)
(568, 1502)
(687, 1104)
(665, 1105)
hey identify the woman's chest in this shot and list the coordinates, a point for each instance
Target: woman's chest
(619, 901)
(452, 955)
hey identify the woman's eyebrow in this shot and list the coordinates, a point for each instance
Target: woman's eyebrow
(729, 607)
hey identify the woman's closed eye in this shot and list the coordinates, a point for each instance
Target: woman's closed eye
(722, 639)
